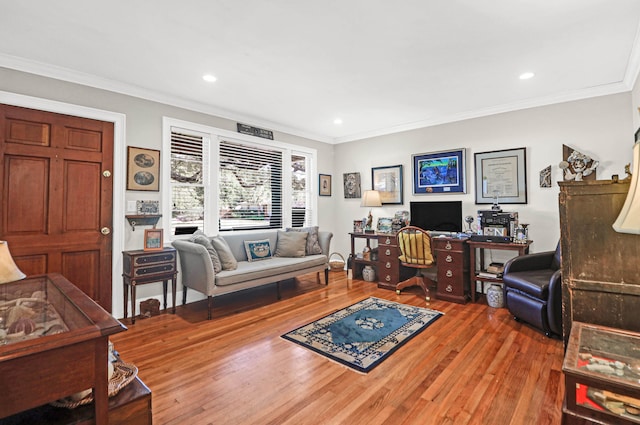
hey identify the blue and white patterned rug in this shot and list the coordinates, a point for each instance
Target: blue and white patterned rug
(361, 336)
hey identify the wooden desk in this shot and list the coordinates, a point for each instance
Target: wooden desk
(141, 267)
(357, 264)
(43, 369)
(477, 261)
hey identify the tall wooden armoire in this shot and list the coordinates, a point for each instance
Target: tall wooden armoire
(600, 267)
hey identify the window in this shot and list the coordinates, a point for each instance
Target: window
(221, 181)
(301, 213)
(187, 181)
(250, 187)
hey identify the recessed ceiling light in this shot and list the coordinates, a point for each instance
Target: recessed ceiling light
(337, 121)
(209, 78)
(527, 75)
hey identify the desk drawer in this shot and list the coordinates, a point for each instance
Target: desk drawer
(450, 259)
(155, 269)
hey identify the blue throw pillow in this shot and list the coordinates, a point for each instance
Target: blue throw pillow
(258, 250)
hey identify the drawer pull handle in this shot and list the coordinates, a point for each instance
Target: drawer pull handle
(448, 288)
(388, 265)
(449, 273)
(388, 278)
(448, 259)
(448, 245)
(388, 241)
(388, 252)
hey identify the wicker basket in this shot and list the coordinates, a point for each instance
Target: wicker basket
(336, 264)
(123, 374)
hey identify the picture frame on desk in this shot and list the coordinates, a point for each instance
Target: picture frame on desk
(153, 240)
(357, 226)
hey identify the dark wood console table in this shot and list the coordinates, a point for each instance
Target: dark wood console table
(477, 261)
(35, 371)
(141, 267)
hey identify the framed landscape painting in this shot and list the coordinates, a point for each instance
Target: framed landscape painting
(439, 172)
(388, 181)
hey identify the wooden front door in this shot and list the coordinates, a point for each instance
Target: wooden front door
(57, 196)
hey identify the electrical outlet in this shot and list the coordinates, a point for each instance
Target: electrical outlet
(131, 206)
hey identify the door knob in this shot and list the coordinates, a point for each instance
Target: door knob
(105, 230)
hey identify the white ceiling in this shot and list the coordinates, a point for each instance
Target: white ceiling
(295, 65)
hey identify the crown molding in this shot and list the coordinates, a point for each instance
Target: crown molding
(65, 74)
(597, 91)
(71, 76)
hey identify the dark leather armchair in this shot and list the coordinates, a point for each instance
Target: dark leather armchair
(533, 290)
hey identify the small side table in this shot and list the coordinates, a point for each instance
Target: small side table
(477, 261)
(141, 267)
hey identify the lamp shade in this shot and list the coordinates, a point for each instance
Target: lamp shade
(629, 219)
(8, 269)
(371, 198)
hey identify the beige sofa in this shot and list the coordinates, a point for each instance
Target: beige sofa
(197, 267)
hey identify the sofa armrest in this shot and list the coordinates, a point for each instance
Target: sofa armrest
(324, 238)
(537, 261)
(554, 304)
(196, 266)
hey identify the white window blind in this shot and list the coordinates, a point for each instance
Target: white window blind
(187, 182)
(250, 186)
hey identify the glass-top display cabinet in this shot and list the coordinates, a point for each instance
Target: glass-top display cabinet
(602, 375)
(53, 343)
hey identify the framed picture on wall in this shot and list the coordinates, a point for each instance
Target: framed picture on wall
(143, 169)
(325, 185)
(352, 185)
(501, 176)
(439, 172)
(388, 181)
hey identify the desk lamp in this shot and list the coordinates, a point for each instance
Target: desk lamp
(370, 198)
(629, 219)
(8, 269)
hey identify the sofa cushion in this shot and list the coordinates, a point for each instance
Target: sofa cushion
(257, 250)
(313, 243)
(274, 266)
(291, 244)
(227, 259)
(201, 239)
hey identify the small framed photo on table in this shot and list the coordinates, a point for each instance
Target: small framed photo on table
(153, 240)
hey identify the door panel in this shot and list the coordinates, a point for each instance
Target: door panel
(55, 197)
(25, 193)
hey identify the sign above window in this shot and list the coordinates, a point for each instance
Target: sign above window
(255, 131)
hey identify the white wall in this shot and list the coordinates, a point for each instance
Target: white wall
(601, 127)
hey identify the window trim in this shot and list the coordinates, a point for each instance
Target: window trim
(213, 136)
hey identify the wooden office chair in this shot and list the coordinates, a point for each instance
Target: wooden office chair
(415, 249)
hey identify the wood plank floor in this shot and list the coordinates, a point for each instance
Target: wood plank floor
(475, 365)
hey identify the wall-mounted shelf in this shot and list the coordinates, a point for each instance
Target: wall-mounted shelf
(143, 220)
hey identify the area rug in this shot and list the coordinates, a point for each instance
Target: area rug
(362, 335)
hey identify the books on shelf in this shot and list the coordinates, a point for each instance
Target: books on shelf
(495, 268)
(489, 275)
